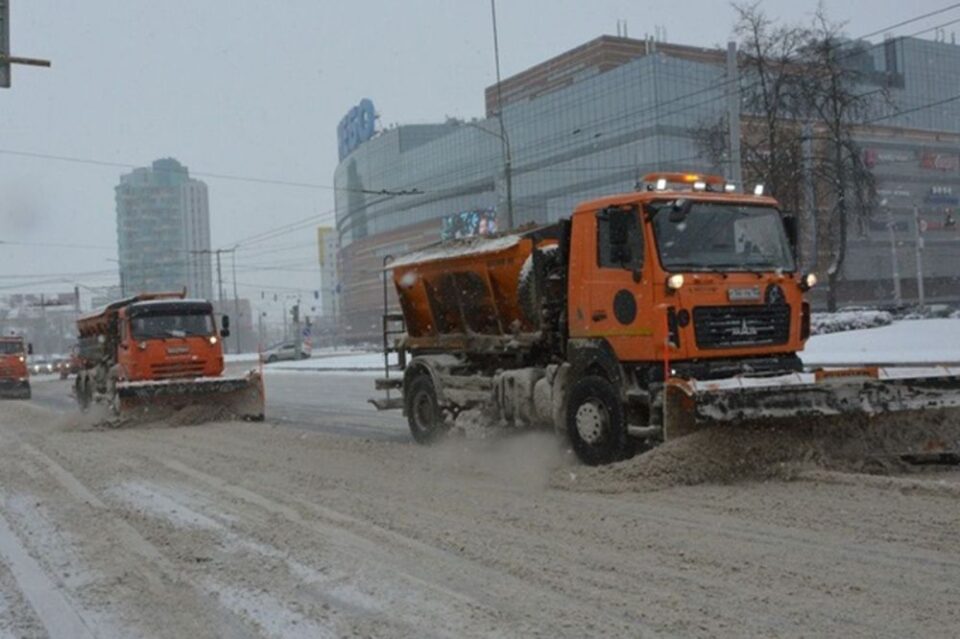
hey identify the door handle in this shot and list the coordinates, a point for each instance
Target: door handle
(599, 316)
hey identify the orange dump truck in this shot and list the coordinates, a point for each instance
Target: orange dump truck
(160, 352)
(640, 318)
(14, 375)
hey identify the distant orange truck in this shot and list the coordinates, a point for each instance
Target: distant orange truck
(14, 375)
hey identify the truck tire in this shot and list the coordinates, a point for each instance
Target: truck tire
(596, 425)
(423, 411)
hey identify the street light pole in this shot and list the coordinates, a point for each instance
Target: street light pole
(507, 167)
(921, 298)
(508, 161)
(897, 296)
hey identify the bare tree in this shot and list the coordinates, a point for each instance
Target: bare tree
(836, 98)
(799, 77)
(770, 144)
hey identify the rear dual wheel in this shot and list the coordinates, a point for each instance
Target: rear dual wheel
(424, 415)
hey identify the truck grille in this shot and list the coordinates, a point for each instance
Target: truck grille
(7, 371)
(170, 370)
(727, 326)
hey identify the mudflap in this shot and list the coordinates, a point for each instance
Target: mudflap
(918, 406)
(214, 398)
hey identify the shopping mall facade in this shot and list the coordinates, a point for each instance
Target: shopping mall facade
(593, 120)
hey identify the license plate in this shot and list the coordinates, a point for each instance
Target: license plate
(743, 294)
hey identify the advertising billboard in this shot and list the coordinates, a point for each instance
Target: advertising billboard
(469, 224)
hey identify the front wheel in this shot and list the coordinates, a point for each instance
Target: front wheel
(423, 411)
(596, 424)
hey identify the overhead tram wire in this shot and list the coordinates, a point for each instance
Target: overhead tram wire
(206, 174)
(724, 83)
(657, 112)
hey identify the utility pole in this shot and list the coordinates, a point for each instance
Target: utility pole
(219, 281)
(921, 298)
(7, 60)
(236, 298)
(508, 160)
(733, 114)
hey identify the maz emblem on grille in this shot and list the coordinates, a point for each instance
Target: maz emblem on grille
(178, 350)
(744, 330)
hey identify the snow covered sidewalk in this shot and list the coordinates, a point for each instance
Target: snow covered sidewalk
(922, 341)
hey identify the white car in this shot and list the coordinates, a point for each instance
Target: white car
(284, 351)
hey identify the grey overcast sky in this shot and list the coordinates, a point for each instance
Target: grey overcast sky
(256, 89)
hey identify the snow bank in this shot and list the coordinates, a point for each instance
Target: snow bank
(925, 341)
(824, 323)
(352, 362)
(241, 357)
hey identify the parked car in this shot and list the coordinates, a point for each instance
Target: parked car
(284, 351)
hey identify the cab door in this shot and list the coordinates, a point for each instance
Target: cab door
(616, 285)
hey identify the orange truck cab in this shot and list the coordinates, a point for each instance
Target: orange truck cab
(14, 374)
(703, 282)
(164, 339)
(153, 337)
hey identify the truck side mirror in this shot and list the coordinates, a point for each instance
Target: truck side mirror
(790, 226)
(30, 349)
(225, 326)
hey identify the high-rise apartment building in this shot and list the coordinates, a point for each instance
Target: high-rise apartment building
(163, 231)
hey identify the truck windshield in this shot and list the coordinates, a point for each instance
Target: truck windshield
(722, 237)
(11, 348)
(158, 326)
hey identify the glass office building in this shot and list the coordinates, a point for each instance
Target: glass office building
(591, 122)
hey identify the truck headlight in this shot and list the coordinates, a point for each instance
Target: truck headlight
(675, 281)
(22, 358)
(808, 281)
(213, 339)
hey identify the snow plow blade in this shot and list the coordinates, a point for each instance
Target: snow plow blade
(14, 389)
(821, 397)
(208, 398)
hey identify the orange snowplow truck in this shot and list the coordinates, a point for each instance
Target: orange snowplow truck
(160, 352)
(14, 374)
(642, 317)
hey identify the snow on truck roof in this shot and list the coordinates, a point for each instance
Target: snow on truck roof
(133, 301)
(161, 302)
(457, 248)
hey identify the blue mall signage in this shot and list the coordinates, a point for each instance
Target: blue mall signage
(356, 127)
